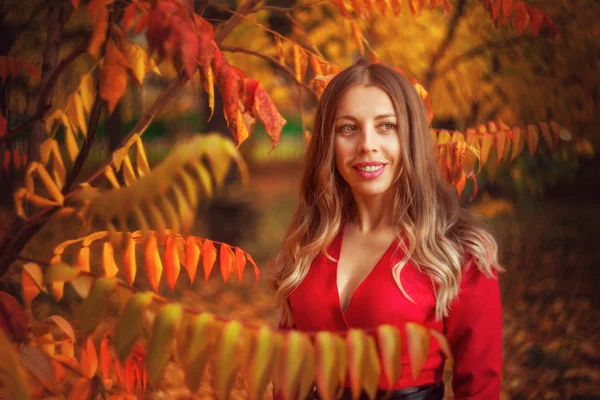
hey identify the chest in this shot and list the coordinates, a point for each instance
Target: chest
(372, 298)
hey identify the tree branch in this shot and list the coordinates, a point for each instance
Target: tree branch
(288, 9)
(452, 26)
(285, 68)
(474, 52)
(87, 144)
(234, 21)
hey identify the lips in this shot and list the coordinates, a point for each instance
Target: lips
(369, 170)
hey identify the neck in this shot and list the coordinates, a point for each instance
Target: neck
(373, 213)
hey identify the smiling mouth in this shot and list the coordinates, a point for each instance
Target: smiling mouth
(370, 168)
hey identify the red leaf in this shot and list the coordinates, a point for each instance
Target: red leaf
(251, 85)
(496, 7)
(142, 22)
(256, 270)
(268, 114)
(129, 16)
(209, 255)
(129, 376)
(507, 6)
(32, 70)
(82, 389)
(416, 6)
(3, 124)
(229, 84)
(105, 358)
(3, 68)
(225, 260)
(12, 66)
(13, 318)
(521, 17)
(75, 3)
(551, 27)
(536, 19)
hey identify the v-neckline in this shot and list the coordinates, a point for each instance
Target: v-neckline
(340, 240)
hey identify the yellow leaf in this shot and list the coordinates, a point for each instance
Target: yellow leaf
(154, 267)
(307, 377)
(129, 327)
(204, 178)
(138, 59)
(197, 348)
(418, 347)
(327, 374)
(80, 113)
(487, 140)
(357, 359)
(370, 380)
(93, 306)
(29, 286)
(444, 345)
(87, 92)
(51, 187)
(292, 358)
(82, 285)
(141, 160)
(209, 87)
(71, 143)
(60, 272)
(342, 359)
(83, 259)
(171, 217)
(57, 290)
(545, 128)
(108, 260)
(129, 261)
(164, 331)
(533, 137)
(518, 142)
(443, 137)
(128, 174)
(230, 353)
(388, 338)
(265, 351)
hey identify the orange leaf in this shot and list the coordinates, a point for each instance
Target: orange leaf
(501, 143)
(357, 36)
(229, 84)
(142, 22)
(444, 344)
(172, 265)
(340, 4)
(113, 76)
(388, 340)
(89, 359)
(192, 256)
(533, 138)
(256, 270)
(518, 142)
(129, 260)
(300, 62)
(240, 263)
(108, 260)
(99, 14)
(418, 347)
(209, 256)
(487, 140)
(129, 16)
(460, 185)
(536, 19)
(368, 7)
(129, 375)
(154, 267)
(357, 7)
(521, 17)
(29, 286)
(268, 114)
(507, 6)
(105, 358)
(416, 6)
(82, 389)
(225, 260)
(381, 6)
(240, 128)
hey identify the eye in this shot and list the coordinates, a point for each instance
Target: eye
(347, 128)
(387, 127)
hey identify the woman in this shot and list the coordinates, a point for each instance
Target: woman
(379, 238)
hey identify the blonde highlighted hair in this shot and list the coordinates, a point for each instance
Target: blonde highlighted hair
(436, 232)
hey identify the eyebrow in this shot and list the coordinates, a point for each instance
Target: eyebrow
(350, 117)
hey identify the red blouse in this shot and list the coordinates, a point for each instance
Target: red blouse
(473, 327)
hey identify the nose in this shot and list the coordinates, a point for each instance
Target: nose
(368, 140)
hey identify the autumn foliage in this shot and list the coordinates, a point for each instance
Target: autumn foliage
(139, 249)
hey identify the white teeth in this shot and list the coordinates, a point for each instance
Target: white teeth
(370, 168)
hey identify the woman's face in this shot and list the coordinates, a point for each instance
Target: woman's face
(367, 144)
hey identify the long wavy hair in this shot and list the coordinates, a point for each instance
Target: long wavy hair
(436, 233)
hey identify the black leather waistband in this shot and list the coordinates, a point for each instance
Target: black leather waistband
(434, 391)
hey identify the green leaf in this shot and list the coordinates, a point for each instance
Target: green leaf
(129, 327)
(93, 306)
(165, 328)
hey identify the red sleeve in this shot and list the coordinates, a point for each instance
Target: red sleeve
(474, 331)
